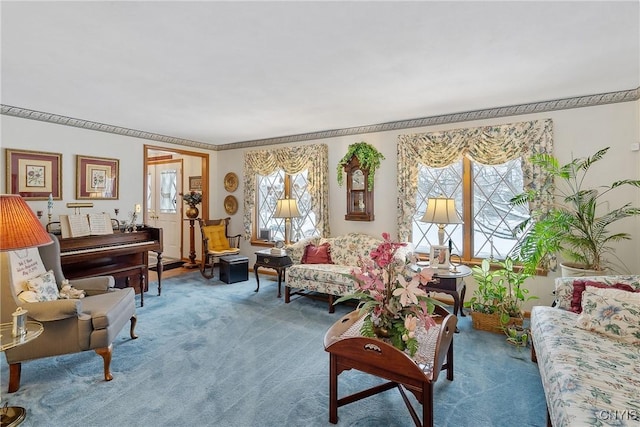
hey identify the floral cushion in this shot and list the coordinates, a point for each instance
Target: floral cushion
(44, 287)
(580, 285)
(585, 376)
(347, 249)
(611, 312)
(564, 286)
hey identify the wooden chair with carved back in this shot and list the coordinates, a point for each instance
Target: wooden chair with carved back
(216, 243)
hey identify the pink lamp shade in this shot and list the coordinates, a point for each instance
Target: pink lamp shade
(19, 226)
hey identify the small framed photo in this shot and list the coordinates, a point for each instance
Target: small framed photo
(195, 183)
(439, 257)
(97, 178)
(34, 175)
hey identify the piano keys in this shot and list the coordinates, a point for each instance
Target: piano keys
(125, 256)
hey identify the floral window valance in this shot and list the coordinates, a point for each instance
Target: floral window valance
(489, 145)
(292, 160)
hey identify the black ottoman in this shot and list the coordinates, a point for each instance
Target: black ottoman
(234, 268)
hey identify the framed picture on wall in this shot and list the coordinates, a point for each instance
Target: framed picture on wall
(97, 178)
(34, 175)
(195, 183)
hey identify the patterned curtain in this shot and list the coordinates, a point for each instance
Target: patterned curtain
(313, 158)
(489, 145)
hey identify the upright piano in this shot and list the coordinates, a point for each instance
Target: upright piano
(125, 256)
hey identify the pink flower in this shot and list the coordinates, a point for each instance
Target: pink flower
(408, 291)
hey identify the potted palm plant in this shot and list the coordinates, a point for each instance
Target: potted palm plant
(497, 301)
(575, 226)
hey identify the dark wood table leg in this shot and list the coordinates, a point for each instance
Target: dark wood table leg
(255, 271)
(464, 290)
(159, 268)
(333, 389)
(279, 281)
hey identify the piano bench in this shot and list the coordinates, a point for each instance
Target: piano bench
(234, 268)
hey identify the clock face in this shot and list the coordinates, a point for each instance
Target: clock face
(357, 180)
(279, 244)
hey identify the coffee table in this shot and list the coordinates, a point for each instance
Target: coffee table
(13, 415)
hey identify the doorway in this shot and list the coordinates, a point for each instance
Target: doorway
(168, 174)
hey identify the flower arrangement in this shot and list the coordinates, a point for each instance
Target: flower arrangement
(192, 199)
(392, 296)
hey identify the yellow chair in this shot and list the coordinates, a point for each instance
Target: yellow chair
(216, 243)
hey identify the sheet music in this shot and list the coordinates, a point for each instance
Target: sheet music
(100, 224)
(79, 226)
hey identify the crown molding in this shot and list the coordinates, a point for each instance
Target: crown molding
(489, 113)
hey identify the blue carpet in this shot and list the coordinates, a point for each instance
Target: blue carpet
(215, 354)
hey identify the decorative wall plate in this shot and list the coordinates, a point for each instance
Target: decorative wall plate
(230, 205)
(230, 182)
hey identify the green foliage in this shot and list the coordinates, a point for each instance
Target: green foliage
(500, 290)
(368, 156)
(577, 226)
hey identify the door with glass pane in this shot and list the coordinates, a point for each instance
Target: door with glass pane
(164, 203)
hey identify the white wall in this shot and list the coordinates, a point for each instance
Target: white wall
(579, 131)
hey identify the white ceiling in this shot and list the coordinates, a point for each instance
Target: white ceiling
(224, 72)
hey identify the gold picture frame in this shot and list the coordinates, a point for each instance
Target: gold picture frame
(195, 183)
(34, 175)
(97, 178)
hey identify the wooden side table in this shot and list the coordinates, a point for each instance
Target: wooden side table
(279, 263)
(13, 415)
(448, 283)
(376, 357)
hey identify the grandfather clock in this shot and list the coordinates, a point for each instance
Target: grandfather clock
(359, 195)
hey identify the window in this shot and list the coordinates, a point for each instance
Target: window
(482, 168)
(489, 219)
(278, 185)
(298, 172)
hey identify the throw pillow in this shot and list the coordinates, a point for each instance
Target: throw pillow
(579, 287)
(25, 264)
(320, 254)
(217, 237)
(610, 316)
(44, 286)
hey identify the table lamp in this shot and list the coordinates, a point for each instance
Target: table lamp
(287, 209)
(19, 229)
(441, 211)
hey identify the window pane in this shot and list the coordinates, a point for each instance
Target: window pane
(494, 218)
(270, 188)
(168, 191)
(434, 182)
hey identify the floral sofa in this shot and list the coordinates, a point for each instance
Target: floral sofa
(330, 280)
(590, 361)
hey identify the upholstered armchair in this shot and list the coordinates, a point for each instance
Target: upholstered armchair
(70, 325)
(216, 242)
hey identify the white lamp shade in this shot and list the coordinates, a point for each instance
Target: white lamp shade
(441, 210)
(286, 208)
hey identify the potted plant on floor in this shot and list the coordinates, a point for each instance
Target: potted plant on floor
(576, 225)
(497, 302)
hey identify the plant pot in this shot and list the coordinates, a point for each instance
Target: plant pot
(192, 212)
(574, 270)
(491, 322)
